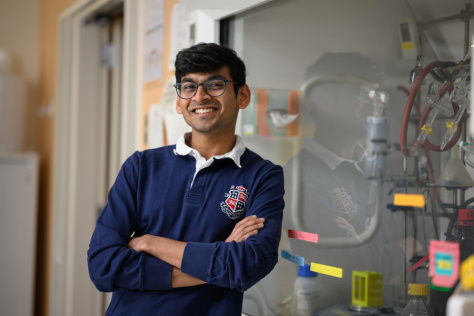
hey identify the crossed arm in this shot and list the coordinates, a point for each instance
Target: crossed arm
(171, 251)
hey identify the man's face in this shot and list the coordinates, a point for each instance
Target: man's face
(206, 114)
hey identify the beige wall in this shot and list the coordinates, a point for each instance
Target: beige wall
(19, 35)
(47, 91)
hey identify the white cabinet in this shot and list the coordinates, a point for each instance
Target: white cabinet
(18, 227)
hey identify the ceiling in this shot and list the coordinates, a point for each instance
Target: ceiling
(446, 39)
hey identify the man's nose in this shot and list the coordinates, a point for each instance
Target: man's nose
(201, 94)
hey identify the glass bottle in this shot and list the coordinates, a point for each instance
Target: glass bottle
(418, 301)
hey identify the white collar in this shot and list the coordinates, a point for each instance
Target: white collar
(329, 158)
(239, 148)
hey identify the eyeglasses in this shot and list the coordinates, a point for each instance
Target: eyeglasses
(213, 87)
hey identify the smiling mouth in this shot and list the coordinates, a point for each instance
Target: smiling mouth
(202, 111)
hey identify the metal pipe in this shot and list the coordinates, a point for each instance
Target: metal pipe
(466, 29)
(461, 16)
(405, 231)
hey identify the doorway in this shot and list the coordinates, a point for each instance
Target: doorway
(97, 129)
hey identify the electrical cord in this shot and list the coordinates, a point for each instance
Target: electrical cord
(434, 218)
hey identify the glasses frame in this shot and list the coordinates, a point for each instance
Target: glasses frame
(176, 85)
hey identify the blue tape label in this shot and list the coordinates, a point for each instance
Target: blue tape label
(293, 258)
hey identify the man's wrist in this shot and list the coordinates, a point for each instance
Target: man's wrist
(149, 244)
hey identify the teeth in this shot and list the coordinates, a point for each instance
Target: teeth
(202, 111)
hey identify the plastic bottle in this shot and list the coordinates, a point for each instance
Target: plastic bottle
(418, 301)
(461, 303)
(307, 292)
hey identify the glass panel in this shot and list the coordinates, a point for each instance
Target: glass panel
(330, 87)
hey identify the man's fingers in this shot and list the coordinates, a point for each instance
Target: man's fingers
(247, 235)
(251, 233)
(245, 228)
(249, 221)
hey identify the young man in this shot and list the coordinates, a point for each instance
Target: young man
(205, 213)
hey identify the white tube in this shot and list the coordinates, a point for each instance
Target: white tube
(375, 198)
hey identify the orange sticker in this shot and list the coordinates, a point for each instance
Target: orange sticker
(413, 200)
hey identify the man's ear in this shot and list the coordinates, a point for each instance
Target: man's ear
(243, 97)
(178, 108)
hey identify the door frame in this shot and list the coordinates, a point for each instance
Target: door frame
(65, 260)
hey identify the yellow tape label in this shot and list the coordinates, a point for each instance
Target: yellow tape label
(407, 46)
(413, 200)
(328, 270)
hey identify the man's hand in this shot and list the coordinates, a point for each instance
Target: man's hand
(245, 228)
(347, 227)
(169, 250)
(141, 243)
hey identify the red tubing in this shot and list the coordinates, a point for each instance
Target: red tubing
(427, 154)
(409, 106)
(411, 101)
(448, 86)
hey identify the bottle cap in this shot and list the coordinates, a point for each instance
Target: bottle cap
(467, 273)
(305, 271)
(418, 289)
(466, 217)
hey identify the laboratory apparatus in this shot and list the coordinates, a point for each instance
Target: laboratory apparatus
(379, 168)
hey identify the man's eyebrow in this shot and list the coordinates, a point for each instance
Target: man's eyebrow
(212, 77)
(216, 77)
(187, 80)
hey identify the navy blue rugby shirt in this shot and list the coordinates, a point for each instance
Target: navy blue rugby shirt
(160, 192)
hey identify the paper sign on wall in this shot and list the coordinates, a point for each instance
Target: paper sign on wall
(154, 35)
(444, 263)
(155, 127)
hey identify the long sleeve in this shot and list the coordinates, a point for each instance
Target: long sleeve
(241, 265)
(111, 263)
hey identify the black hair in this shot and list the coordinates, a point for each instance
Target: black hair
(208, 57)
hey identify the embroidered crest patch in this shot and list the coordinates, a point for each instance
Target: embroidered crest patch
(343, 203)
(234, 203)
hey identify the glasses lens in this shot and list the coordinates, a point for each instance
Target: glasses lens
(215, 87)
(186, 90)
